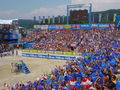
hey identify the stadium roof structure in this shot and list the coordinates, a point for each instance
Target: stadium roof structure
(7, 21)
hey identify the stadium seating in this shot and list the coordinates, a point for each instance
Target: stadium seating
(98, 70)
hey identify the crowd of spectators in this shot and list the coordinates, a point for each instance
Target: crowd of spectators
(98, 69)
(4, 48)
(72, 40)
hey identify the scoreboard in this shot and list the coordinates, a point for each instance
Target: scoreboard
(78, 15)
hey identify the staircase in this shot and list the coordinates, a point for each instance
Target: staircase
(24, 68)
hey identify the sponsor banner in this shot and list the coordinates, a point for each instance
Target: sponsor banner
(57, 52)
(94, 26)
(51, 27)
(72, 58)
(44, 56)
(67, 26)
(37, 26)
(75, 26)
(68, 53)
(53, 57)
(39, 56)
(49, 52)
(59, 27)
(48, 56)
(77, 54)
(103, 26)
(44, 26)
(85, 26)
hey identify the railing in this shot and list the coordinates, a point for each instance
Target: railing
(51, 52)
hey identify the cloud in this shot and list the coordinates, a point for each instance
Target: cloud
(8, 14)
(99, 5)
(59, 10)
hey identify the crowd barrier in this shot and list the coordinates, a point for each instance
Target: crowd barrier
(50, 56)
(51, 52)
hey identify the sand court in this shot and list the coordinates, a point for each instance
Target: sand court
(37, 66)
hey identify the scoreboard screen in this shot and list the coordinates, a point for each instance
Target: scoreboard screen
(78, 15)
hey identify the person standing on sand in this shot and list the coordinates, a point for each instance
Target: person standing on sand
(12, 67)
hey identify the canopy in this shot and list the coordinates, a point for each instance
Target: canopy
(7, 21)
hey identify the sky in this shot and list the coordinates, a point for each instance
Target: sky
(26, 9)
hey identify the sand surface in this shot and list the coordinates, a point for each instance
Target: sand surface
(37, 67)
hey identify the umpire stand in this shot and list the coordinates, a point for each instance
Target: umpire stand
(81, 6)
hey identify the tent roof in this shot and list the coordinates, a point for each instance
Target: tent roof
(7, 21)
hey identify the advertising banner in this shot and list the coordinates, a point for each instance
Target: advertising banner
(61, 26)
(74, 26)
(67, 26)
(44, 26)
(37, 26)
(94, 26)
(103, 26)
(51, 27)
(85, 26)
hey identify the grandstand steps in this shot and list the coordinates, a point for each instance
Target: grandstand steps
(24, 68)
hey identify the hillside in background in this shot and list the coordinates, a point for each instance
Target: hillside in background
(28, 24)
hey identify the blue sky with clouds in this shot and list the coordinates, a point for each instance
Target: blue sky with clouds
(10, 9)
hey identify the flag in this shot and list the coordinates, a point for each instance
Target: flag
(43, 19)
(48, 19)
(107, 17)
(63, 19)
(53, 20)
(59, 19)
(100, 17)
(40, 19)
(114, 17)
(93, 19)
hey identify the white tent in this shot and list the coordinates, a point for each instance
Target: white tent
(6, 21)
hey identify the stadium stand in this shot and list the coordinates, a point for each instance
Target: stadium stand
(99, 69)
